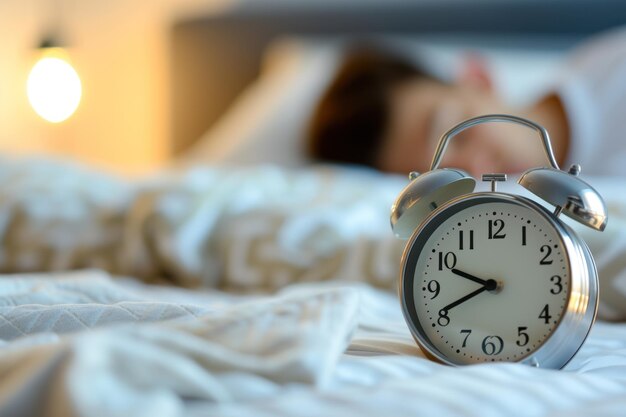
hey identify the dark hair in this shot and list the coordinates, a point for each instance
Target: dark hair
(351, 118)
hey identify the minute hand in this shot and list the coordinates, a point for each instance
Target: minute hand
(464, 299)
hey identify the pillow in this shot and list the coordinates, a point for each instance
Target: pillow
(521, 70)
(268, 122)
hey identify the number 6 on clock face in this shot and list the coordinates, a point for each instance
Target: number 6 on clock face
(490, 277)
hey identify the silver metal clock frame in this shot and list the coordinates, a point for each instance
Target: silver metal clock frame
(580, 312)
(502, 118)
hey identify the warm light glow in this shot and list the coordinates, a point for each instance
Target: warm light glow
(53, 87)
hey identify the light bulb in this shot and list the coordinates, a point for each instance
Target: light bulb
(53, 87)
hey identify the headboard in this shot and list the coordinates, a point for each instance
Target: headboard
(215, 56)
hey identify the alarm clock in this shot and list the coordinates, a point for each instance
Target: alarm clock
(493, 276)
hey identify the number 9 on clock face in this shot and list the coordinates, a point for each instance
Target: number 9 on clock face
(487, 278)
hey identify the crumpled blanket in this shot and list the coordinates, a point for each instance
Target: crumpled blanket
(83, 344)
(247, 229)
(242, 230)
(219, 350)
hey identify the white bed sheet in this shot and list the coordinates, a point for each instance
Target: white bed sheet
(88, 345)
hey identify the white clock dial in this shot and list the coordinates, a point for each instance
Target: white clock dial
(491, 282)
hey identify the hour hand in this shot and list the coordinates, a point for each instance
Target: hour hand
(490, 284)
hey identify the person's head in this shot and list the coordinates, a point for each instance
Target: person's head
(382, 111)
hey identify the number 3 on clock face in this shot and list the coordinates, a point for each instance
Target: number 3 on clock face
(487, 278)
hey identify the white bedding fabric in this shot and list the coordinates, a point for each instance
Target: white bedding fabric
(90, 343)
(314, 349)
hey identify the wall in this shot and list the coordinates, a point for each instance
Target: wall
(119, 49)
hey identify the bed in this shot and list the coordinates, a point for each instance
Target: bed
(258, 289)
(208, 293)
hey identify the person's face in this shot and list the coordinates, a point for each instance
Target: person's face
(422, 110)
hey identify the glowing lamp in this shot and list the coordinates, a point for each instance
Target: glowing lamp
(53, 87)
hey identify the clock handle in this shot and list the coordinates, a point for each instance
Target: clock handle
(443, 142)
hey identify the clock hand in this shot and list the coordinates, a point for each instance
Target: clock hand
(491, 284)
(464, 299)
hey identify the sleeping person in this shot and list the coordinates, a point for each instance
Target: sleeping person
(383, 111)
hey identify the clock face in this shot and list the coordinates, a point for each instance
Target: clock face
(486, 280)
